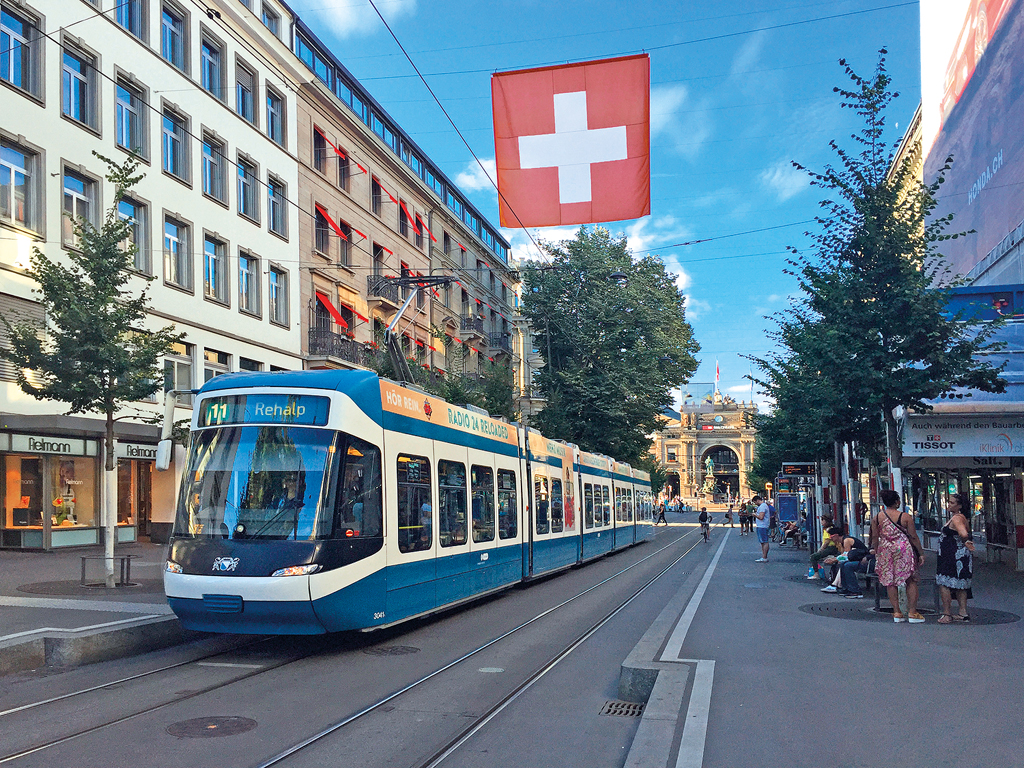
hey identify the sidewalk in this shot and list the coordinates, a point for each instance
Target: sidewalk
(751, 664)
(48, 618)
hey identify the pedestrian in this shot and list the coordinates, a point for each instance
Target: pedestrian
(829, 548)
(954, 570)
(661, 514)
(761, 524)
(728, 515)
(745, 511)
(898, 555)
(851, 550)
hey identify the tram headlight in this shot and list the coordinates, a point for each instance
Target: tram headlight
(172, 567)
(296, 570)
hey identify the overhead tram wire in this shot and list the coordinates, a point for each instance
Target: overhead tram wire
(723, 237)
(648, 48)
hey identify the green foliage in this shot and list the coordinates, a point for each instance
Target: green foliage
(616, 351)
(870, 330)
(93, 353)
(652, 466)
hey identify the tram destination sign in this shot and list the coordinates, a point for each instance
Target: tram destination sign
(804, 468)
(305, 410)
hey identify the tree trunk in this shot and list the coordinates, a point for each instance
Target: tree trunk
(109, 501)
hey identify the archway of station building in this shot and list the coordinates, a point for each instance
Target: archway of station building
(672, 485)
(726, 469)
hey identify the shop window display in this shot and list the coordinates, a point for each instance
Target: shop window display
(62, 487)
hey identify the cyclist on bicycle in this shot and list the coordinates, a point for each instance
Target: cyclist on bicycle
(705, 523)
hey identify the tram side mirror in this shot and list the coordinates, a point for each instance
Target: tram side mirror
(164, 449)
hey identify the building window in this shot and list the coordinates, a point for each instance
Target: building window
(213, 169)
(211, 71)
(275, 116)
(17, 185)
(344, 243)
(79, 202)
(322, 233)
(177, 256)
(245, 87)
(19, 46)
(376, 196)
(403, 222)
(215, 269)
(77, 79)
(214, 363)
(249, 284)
(271, 20)
(344, 173)
(277, 195)
(278, 296)
(178, 371)
(129, 15)
(319, 151)
(378, 259)
(419, 231)
(247, 204)
(175, 146)
(130, 119)
(670, 454)
(446, 243)
(245, 364)
(135, 214)
(172, 36)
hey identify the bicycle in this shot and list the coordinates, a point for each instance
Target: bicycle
(705, 531)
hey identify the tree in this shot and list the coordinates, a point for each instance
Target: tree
(94, 353)
(612, 352)
(871, 331)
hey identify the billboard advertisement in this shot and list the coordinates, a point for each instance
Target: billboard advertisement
(972, 107)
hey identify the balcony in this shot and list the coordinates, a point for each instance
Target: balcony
(382, 289)
(473, 325)
(500, 342)
(324, 343)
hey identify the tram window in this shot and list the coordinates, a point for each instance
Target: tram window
(556, 506)
(358, 511)
(606, 505)
(508, 519)
(627, 498)
(451, 517)
(482, 479)
(415, 515)
(618, 505)
(588, 505)
(540, 500)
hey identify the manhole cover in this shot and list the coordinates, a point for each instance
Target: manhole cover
(858, 611)
(622, 709)
(392, 650)
(210, 727)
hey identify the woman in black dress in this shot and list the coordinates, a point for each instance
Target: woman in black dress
(954, 570)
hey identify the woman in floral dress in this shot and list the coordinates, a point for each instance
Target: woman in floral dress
(953, 572)
(898, 555)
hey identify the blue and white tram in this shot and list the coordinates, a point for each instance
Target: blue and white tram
(321, 501)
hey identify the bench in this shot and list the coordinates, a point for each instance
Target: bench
(125, 570)
(871, 580)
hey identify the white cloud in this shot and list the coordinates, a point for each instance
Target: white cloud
(683, 280)
(695, 308)
(346, 19)
(748, 54)
(686, 131)
(783, 180)
(664, 102)
(474, 178)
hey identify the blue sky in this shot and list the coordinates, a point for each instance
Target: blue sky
(728, 115)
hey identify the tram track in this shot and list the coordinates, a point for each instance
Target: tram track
(245, 676)
(482, 720)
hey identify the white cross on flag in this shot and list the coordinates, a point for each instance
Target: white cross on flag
(572, 143)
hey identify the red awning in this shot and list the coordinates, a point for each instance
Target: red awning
(322, 298)
(354, 312)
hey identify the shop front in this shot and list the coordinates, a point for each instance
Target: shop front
(50, 491)
(135, 464)
(981, 455)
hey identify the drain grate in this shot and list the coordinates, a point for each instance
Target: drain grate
(622, 709)
(210, 727)
(391, 650)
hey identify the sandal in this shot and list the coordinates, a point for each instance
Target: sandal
(962, 619)
(945, 619)
(915, 618)
(898, 617)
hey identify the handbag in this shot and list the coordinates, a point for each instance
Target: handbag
(906, 535)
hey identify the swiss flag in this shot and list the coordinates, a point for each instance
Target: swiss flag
(573, 143)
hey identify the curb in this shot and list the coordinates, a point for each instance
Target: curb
(70, 648)
(661, 685)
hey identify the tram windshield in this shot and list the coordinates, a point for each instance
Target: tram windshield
(256, 482)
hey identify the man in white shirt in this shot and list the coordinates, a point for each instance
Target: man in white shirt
(762, 521)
